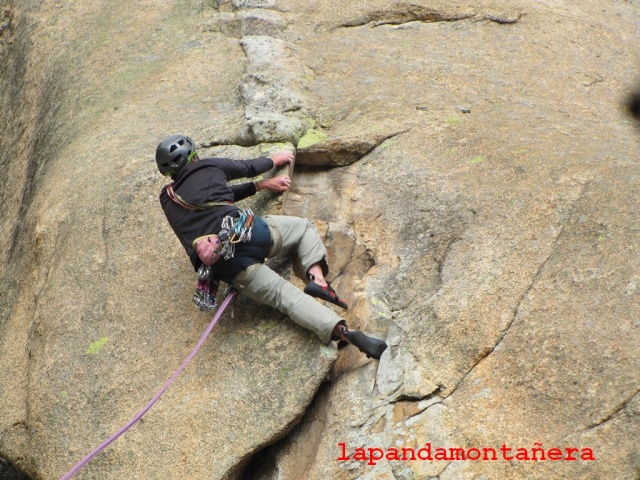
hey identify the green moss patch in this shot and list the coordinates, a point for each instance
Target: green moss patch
(311, 137)
(97, 345)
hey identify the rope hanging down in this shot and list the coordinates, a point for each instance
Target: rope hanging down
(71, 473)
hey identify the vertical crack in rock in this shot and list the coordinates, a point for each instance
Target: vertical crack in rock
(264, 461)
(278, 109)
(484, 355)
(441, 260)
(31, 113)
(277, 106)
(342, 238)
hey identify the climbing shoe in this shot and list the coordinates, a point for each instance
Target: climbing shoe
(371, 347)
(324, 293)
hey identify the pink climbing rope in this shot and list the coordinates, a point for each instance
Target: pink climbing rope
(71, 473)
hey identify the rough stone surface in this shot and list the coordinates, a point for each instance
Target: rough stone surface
(483, 217)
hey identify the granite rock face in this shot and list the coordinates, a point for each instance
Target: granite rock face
(472, 170)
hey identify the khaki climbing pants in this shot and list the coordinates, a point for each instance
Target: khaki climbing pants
(263, 285)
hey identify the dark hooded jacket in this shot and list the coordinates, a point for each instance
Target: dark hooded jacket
(206, 181)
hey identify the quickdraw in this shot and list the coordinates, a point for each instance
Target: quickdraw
(235, 230)
(207, 290)
(242, 228)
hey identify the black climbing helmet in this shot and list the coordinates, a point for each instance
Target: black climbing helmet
(174, 153)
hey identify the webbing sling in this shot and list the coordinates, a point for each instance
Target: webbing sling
(199, 206)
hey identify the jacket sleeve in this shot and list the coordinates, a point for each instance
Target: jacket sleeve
(246, 168)
(243, 190)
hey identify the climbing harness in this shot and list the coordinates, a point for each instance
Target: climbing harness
(232, 231)
(230, 296)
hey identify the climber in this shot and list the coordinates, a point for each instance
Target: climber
(226, 243)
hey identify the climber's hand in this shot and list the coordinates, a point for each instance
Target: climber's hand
(282, 158)
(275, 184)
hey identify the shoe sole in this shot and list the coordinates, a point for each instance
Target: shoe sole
(314, 290)
(371, 347)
